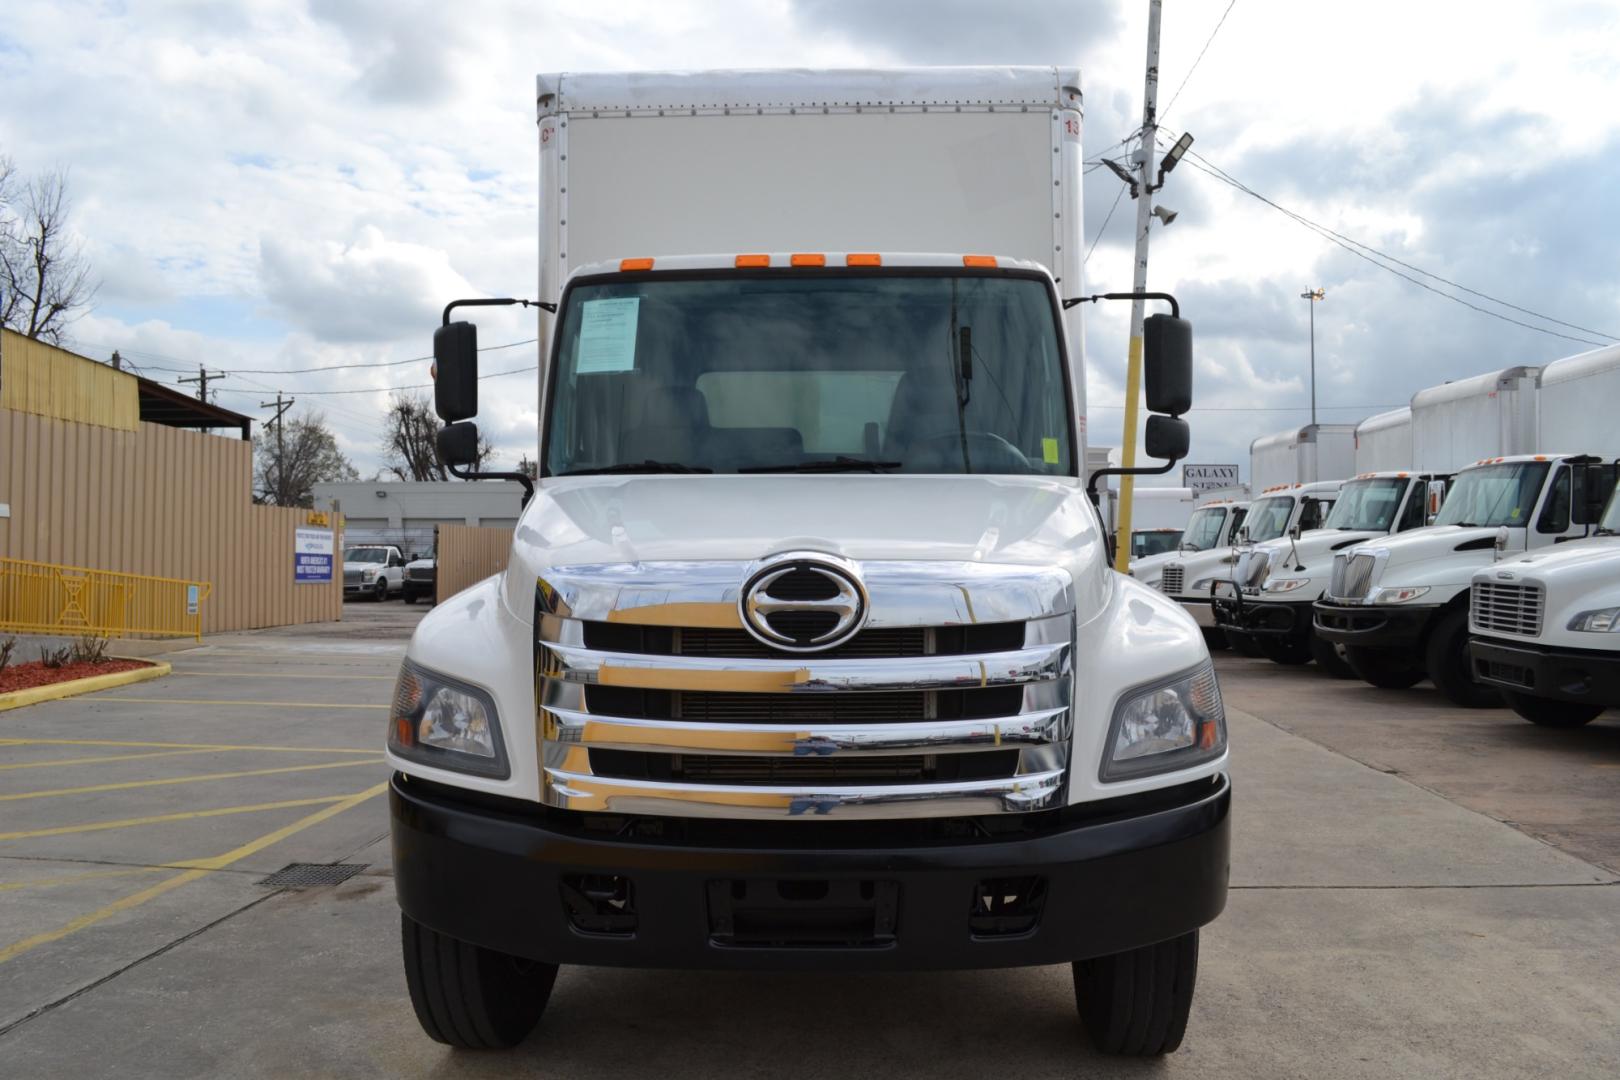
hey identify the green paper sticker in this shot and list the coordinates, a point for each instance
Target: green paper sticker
(1049, 451)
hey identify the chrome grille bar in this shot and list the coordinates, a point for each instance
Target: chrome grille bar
(1506, 608)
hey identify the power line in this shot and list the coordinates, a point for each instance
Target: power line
(1201, 52)
(1110, 217)
(415, 386)
(291, 371)
(1361, 250)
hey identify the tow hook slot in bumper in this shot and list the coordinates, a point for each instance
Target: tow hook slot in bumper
(786, 913)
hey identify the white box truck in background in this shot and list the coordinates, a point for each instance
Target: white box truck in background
(1490, 415)
(1384, 442)
(808, 654)
(1302, 455)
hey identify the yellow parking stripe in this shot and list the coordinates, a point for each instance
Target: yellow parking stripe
(98, 759)
(201, 868)
(157, 819)
(183, 780)
(253, 704)
(189, 745)
(41, 883)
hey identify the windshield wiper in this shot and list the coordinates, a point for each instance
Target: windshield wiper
(841, 463)
(639, 467)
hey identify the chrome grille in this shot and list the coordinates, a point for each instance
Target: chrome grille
(1173, 578)
(1251, 569)
(352, 577)
(1352, 576)
(1506, 608)
(420, 573)
(659, 703)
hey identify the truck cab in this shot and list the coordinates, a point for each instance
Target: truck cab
(808, 654)
(1399, 606)
(1194, 578)
(1545, 627)
(1277, 581)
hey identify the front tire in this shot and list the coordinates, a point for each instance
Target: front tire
(379, 592)
(1135, 1003)
(1214, 638)
(408, 595)
(1328, 659)
(469, 997)
(1549, 713)
(1243, 645)
(1450, 667)
(1284, 650)
(1383, 668)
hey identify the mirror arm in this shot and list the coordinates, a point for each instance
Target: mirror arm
(491, 301)
(1175, 308)
(520, 477)
(1141, 470)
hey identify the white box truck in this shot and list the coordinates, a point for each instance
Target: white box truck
(1303, 455)
(808, 654)
(1384, 442)
(1490, 415)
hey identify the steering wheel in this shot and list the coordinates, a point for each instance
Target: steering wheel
(986, 451)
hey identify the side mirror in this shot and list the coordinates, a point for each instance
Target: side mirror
(1166, 438)
(455, 371)
(1243, 535)
(1293, 531)
(1167, 365)
(458, 445)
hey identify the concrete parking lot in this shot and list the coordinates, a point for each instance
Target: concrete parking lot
(1417, 891)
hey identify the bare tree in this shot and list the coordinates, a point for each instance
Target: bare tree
(529, 467)
(290, 460)
(411, 440)
(45, 279)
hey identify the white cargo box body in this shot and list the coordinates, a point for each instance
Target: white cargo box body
(943, 160)
(1576, 403)
(1384, 442)
(1303, 455)
(1489, 415)
(1162, 508)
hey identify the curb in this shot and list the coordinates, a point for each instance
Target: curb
(18, 698)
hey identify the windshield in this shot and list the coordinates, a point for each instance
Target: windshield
(1494, 495)
(1368, 505)
(1203, 528)
(1156, 542)
(937, 373)
(1268, 518)
(365, 555)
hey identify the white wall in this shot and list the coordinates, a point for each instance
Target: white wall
(406, 512)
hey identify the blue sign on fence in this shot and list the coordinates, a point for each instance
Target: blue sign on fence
(312, 557)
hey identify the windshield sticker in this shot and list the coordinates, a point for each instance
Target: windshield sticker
(1517, 512)
(607, 335)
(1049, 451)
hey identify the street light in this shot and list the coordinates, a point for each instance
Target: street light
(1313, 295)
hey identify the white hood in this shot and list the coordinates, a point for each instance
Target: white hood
(1000, 519)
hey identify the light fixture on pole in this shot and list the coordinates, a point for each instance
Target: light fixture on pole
(1313, 295)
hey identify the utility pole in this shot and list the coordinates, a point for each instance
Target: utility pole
(281, 448)
(1313, 295)
(202, 381)
(1144, 217)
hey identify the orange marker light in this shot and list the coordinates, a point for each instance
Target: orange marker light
(803, 259)
(635, 264)
(863, 259)
(978, 260)
(748, 261)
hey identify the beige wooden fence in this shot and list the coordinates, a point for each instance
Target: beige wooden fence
(161, 501)
(468, 554)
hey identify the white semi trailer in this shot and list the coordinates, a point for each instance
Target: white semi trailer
(808, 654)
(1384, 442)
(1303, 455)
(1490, 415)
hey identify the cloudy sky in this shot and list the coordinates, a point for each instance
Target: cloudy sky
(269, 186)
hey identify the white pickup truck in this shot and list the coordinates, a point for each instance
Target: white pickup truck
(808, 654)
(375, 571)
(1546, 627)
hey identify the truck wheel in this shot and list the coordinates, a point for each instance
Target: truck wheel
(1328, 659)
(379, 591)
(1450, 667)
(1383, 668)
(1549, 713)
(1243, 645)
(469, 997)
(1136, 1003)
(1282, 650)
(408, 595)
(1214, 638)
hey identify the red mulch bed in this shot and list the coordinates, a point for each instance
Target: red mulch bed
(32, 674)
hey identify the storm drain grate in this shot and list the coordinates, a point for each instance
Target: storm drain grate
(301, 874)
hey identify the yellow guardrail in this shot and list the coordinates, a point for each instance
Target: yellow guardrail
(44, 598)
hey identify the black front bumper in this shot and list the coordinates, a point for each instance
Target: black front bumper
(1588, 677)
(1239, 614)
(509, 876)
(1369, 626)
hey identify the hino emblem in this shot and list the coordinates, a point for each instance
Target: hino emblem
(803, 602)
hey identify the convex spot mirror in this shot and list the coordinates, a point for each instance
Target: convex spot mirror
(458, 445)
(455, 371)
(1166, 438)
(1167, 365)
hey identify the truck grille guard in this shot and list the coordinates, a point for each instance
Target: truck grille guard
(973, 720)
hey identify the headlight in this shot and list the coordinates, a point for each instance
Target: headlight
(368, 575)
(1600, 621)
(1399, 595)
(1202, 585)
(448, 724)
(1166, 726)
(1285, 585)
